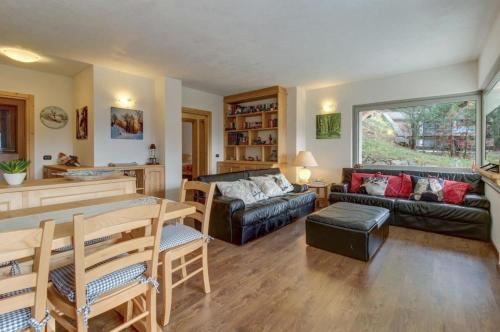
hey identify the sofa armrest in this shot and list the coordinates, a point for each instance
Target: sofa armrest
(227, 205)
(476, 201)
(300, 188)
(340, 187)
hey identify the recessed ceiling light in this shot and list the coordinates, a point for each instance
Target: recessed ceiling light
(20, 54)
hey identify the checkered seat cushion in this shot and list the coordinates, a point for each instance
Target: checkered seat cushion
(63, 279)
(15, 321)
(178, 234)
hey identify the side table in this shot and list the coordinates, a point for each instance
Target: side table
(321, 189)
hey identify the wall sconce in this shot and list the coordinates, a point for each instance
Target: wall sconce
(124, 101)
(329, 107)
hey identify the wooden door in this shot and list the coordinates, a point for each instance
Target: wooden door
(12, 129)
(17, 128)
(201, 142)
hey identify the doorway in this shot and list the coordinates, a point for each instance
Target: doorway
(16, 128)
(196, 142)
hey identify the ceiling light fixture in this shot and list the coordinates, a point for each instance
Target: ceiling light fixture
(20, 55)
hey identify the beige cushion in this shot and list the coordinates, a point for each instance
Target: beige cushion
(268, 185)
(236, 189)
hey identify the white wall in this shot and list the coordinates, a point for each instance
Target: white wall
(296, 128)
(494, 198)
(489, 60)
(334, 154)
(83, 95)
(168, 97)
(49, 90)
(109, 85)
(205, 101)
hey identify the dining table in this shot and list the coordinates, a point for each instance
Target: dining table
(62, 214)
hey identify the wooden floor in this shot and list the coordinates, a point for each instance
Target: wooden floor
(418, 281)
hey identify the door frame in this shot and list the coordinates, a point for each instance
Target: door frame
(29, 119)
(208, 135)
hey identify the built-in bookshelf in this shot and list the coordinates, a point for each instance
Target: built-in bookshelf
(254, 130)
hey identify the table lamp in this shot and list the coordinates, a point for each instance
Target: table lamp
(305, 159)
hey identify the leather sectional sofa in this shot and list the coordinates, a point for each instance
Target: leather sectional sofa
(471, 219)
(236, 223)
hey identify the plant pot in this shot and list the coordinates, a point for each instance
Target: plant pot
(14, 179)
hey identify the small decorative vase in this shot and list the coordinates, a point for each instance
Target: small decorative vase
(14, 179)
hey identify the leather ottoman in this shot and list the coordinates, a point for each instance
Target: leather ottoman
(349, 229)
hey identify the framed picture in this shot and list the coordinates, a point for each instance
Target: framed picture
(126, 124)
(328, 126)
(82, 124)
(53, 117)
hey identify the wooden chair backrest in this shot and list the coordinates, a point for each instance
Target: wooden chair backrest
(24, 290)
(202, 213)
(144, 222)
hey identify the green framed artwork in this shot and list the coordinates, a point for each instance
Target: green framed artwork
(328, 126)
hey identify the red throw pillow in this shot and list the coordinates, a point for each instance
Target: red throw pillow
(406, 186)
(454, 191)
(357, 181)
(393, 185)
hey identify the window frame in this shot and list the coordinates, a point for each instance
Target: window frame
(469, 96)
(493, 82)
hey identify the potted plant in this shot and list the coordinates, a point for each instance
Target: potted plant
(14, 171)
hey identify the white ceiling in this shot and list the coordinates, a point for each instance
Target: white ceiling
(228, 46)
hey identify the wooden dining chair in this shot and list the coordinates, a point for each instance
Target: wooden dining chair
(180, 240)
(120, 275)
(24, 276)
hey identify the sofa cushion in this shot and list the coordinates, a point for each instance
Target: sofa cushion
(296, 200)
(262, 210)
(237, 189)
(262, 172)
(454, 191)
(442, 211)
(428, 189)
(375, 185)
(384, 202)
(268, 185)
(476, 201)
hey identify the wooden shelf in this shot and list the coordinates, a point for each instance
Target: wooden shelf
(235, 155)
(250, 129)
(247, 115)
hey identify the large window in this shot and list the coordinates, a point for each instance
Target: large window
(438, 132)
(491, 121)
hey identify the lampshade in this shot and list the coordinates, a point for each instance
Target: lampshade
(305, 159)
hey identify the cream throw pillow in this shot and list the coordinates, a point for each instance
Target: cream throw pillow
(254, 189)
(268, 185)
(283, 183)
(236, 189)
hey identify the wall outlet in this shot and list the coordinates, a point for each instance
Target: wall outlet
(47, 157)
(216, 155)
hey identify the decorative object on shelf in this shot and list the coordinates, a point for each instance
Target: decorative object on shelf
(328, 126)
(270, 139)
(89, 175)
(14, 171)
(63, 159)
(126, 124)
(153, 159)
(238, 109)
(305, 159)
(53, 117)
(273, 156)
(82, 122)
